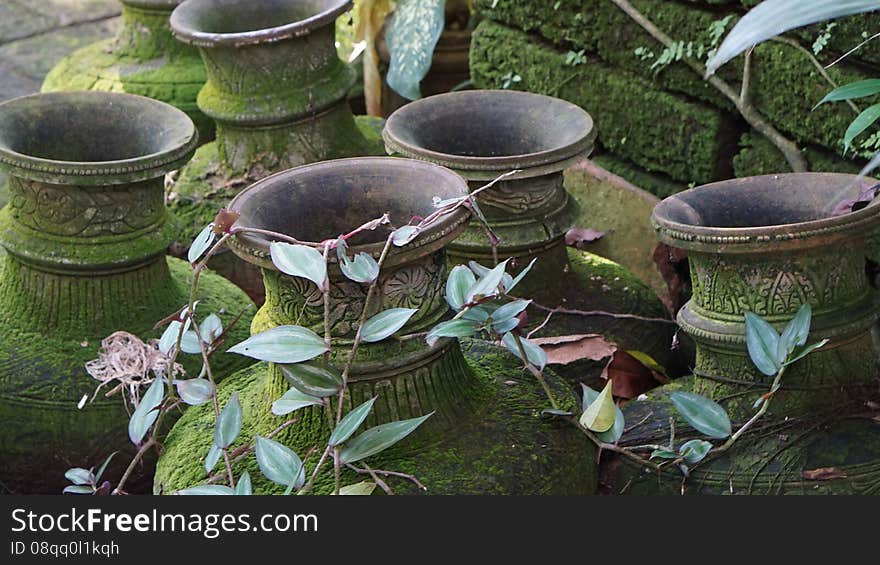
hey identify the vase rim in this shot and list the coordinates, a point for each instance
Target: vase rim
(163, 5)
(161, 137)
(188, 24)
(507, 116)
(680, 220)
(366, 171)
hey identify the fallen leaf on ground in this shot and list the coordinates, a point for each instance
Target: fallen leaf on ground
(577, 237)
(823, 474)
(562, 350)
(630, 377)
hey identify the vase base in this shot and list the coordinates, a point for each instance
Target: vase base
(42, 377)
(497, 442)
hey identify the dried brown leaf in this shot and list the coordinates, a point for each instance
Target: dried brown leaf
(562, 350)
(577, 237)
(823, 474)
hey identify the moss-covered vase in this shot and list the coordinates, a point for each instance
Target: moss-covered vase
(768, 245)
(276, 89)
(487, 133)
(143, 58)
(486, 434)
(85, 233)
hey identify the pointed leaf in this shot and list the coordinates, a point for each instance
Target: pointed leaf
(451, 328)
(211, 459)
(599, 415)
(195, 391)
(78, 489)
(379, 439)
(313, 379)
(363, 268)
(695, 450)
(706, 416)
(404, 235)
(505, 326)
(664, 454)
(145, 414)
(300, 261)
(351, 422)
(862, 122)
(211, 328)
(801, 353)
(613, 434)
(80, 476)
(774, 17)
(522, 274)
(189, 343)
(536, 355)
(244, 486)
(795, 332)
(207, 490)
(487, 285)
(363, 488)
(510, 310)
(282, 344)
(763, 344)
(169, 337)
(411, 36)
(279, 463)
(228, 424)
(293, 400)
(385, 324)
(479, 314)
(460, 280)
(852, 91)
(103, 468)
(201, 243)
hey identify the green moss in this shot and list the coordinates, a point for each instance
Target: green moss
(45, 345)
(769, 459)
(657, 184)
(785, 84)
(145, 59)
(758, 156)
(656, 130)
(494, 442)
(239, 157)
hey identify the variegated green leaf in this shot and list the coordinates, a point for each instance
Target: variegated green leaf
(411, 36)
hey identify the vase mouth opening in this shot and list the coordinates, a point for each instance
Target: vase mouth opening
(792, 206)
(92, 134)
(216, 23)
(490, 130)
(324, 200)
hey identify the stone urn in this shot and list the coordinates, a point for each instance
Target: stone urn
(85, 233)
(143, 58)
(277, 91)
(487, 133)
(768, 245)
(486, 435)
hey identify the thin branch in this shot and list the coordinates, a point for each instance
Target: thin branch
(812, 58)
(789, 149)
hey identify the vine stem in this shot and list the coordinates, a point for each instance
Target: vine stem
(142, 450)
(788, 148)
(536, 372)
(349, 362)
(764, 406)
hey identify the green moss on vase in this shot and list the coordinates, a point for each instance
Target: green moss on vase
(143, 58)
(488, 436)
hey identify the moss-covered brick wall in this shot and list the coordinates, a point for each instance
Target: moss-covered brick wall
(639, 109)
(654, 129)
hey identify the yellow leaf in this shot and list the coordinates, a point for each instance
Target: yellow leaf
(599, 416)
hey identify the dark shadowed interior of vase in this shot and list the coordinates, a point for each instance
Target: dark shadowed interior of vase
(240, 16)
(91, 127)
(489, 124)
(769, 200)
(322, 201)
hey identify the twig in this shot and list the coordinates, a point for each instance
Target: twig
(604, 313)
(373, 472)
(812, 58)
(789, 149)
(851, 51)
